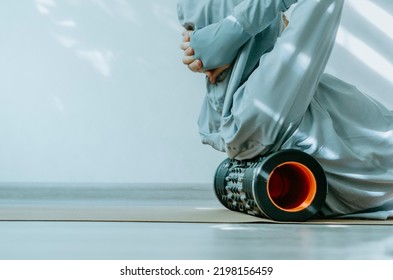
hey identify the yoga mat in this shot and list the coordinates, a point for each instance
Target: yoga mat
(156, 214)
(127, 203)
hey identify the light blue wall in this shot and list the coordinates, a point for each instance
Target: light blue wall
(94, 91)
(363, 54)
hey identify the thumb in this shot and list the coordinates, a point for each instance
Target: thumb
(213, 74)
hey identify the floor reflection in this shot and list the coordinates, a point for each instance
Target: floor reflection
(62, 240)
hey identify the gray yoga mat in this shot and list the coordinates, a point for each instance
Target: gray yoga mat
(126, 203)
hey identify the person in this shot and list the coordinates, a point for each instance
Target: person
(267, 91)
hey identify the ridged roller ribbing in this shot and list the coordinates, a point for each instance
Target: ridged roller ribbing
(288, 185)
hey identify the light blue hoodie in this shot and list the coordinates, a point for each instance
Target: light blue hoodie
(276, 96)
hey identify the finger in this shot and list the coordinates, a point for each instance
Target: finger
(186, 38)
(187, 60)
(189, 51)
(213, 75)
(184, 45)
(186, 32)
(196, 65)
(212, 78)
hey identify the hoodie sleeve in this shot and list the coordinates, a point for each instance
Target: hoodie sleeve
(218, 44)
(277, 94)
(255, 16)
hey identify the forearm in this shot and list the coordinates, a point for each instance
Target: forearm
(255, 15)
(218, 44)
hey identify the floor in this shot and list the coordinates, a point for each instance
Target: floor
(38, 240)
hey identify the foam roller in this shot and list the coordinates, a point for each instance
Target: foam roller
(287, 185)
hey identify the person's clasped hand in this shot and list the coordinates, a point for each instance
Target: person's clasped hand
(195, 64)
(212, 49)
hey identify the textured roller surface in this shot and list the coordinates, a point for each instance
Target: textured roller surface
(287, 186)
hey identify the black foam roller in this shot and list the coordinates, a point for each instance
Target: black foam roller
(287, 185)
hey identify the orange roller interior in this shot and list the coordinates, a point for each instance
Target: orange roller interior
(291, 186)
